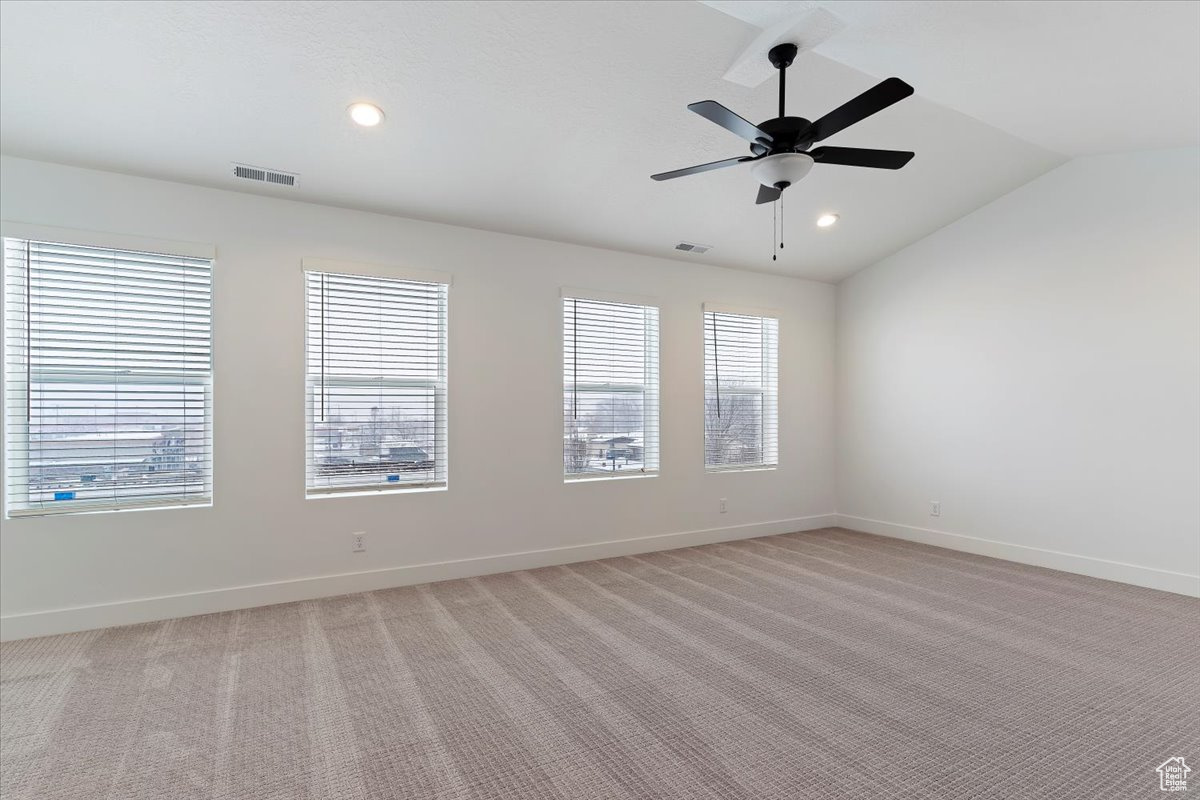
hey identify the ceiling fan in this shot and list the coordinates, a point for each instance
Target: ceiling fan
(780, 146)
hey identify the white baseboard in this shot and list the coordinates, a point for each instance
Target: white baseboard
(149, 609)
(1177, 582)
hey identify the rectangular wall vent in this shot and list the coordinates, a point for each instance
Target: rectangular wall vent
(262, 175)
(692, 247)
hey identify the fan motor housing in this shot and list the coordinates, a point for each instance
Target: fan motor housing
(788, 134)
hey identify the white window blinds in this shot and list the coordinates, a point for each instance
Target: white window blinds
(376, 383)
(610, 388)
(108, 381)
(741, 404)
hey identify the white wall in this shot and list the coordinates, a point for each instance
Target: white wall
(504, 395)
(1036, 367)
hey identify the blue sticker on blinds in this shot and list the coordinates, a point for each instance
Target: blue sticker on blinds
(64, 495)
(393, 478)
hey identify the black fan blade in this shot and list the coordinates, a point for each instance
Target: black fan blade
(861, 157)
(872, 101)
(679, 173)
(713, 111)
(767, 194)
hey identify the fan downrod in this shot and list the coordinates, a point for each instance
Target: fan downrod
(787, 132)
(782, 55)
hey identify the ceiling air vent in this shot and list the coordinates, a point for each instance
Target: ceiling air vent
(262, 175)
(692, 247)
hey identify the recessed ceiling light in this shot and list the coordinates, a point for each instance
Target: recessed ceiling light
(825, 220)
(366, 114)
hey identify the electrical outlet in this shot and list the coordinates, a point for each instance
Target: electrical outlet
(935, 508)
(360, 542)
(724, 505)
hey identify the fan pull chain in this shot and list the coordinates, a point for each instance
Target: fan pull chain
(774, 230)
(776, 227)
(780, 222)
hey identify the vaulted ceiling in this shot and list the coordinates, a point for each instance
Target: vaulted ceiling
(546, 119)
(1077, 78)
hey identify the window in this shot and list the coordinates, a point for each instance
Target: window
(741, 404)
(375, 358)
(108, 378)
(610, 388)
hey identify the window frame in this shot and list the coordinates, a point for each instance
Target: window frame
(653, 360)
(767, 389)
(439, 386)
(17, 404)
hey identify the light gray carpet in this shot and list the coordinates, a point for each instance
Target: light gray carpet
(828, 664)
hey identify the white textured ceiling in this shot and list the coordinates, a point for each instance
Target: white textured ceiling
(1074, 77)
(536, 118)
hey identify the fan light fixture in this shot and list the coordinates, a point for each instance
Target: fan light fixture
(366, 114)
(825, 220)
(784, 168)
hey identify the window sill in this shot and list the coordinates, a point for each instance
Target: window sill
(63, 511)
(722, 470)
(617, 477)
(361, 492)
